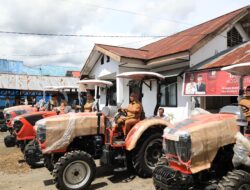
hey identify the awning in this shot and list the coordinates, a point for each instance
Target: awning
(34, 83)
(173, 73)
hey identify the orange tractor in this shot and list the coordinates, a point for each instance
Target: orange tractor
(23, 125)
(10, 114)
(208, 151)
(82, 137)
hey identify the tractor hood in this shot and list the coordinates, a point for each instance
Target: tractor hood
(32, 118)
(19, 110)
(16, 108)
(205, 135)
(58, 131)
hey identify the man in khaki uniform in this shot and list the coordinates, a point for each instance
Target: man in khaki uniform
(133, 111)
(245, 104)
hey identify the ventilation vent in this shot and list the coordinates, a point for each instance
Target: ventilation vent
(233, 38)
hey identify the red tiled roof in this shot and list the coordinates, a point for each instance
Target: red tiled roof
(125, 52)
(182, 41)
(76, 73)
(240, 54)
(186, 39)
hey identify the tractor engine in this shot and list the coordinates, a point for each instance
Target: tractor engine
(174, 170)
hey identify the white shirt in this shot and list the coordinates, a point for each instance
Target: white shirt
(191, 88)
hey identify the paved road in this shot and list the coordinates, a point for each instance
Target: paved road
(15, 174)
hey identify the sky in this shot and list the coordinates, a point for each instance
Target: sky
(95, 17)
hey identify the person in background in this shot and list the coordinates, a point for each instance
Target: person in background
(26, 101)
(201, 86)
(7, 102)
(52, 103)
(33, 101)
(161, 113)
(191, 87)
(64, 108)
(245, 104)
(16, 101)
(89, 105)
(41, 105)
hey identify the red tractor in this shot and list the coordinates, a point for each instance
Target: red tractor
(24, 131)
(10, 114)
(81, 138)
(207, 151)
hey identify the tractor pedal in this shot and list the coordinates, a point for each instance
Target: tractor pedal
(122, 169)
(120, 142)
(119, 157)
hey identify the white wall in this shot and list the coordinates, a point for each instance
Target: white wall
(100, 71)
(216, 45)
(149, 98)
(107, 68)
(183, 104)
(122, 91)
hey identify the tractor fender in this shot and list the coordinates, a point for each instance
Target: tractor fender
(138, 130)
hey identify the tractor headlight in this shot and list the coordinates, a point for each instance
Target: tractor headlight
(177, 144)
(41, 133)
(17, 125)
(183, 147)
(7, 117)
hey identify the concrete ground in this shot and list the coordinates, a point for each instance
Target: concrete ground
(16, 174)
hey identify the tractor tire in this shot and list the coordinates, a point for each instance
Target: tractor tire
(74, 171)
(235, 180)
(146, 154)
(32, 154)
(10, 141)
(3, 128)
(48, 162)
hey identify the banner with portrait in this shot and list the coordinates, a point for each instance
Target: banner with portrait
(212, 83)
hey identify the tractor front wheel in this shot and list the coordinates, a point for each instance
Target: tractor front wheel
(33, 154)
(74, 171)
(235, 180)
(147, 153)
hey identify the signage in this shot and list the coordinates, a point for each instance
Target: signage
(212, 83)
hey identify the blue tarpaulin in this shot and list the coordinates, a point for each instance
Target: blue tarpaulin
(13, 68)
(18, 67)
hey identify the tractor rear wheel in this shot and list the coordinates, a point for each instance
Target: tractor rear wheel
(74, 171)
(147, 153)
(235, 180)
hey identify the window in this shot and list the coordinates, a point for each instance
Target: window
(168, 90)
(134, 86)
(233, 37)
(102, 60)
(112, 94)
(108, 59)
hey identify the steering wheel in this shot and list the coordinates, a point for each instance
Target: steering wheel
(119, 114)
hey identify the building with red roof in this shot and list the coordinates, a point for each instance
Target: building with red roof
(172, 56)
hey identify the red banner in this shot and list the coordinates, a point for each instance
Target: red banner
(212, 83)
